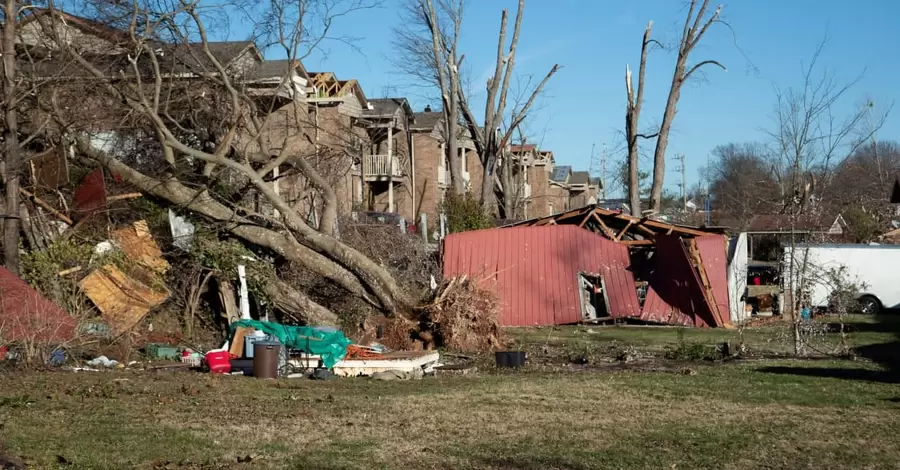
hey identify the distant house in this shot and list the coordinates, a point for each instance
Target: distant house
(431, 167)
(769, 232)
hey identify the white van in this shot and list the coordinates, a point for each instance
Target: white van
(872, 267)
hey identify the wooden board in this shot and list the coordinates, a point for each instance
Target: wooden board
(138, 244)
(123, 302)
(237, 343)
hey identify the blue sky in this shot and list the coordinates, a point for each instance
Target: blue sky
(593, 40)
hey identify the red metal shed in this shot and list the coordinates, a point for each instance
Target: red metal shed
(535, 270)
(676, 294)
(26, 315)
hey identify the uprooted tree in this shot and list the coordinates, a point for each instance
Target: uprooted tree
(190, 120)
(429, 46)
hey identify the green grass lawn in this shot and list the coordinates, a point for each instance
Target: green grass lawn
(768, 413)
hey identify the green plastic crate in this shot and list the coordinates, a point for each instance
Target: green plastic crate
(162, 351)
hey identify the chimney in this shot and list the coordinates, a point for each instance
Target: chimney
(427, 108)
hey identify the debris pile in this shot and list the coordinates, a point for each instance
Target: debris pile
(463, 316)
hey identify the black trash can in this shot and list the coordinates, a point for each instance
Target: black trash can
(510, 359)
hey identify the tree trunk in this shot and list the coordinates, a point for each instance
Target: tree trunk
(488, 195)
(281, 243)
(13, 167)
(659, 156)
(452, 127)
(290, 300)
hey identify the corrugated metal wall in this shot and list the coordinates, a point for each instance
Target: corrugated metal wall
(671, 293)
(714, 254)
(675, 294)
(535, 270)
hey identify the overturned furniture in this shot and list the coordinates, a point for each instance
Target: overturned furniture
(593, 264)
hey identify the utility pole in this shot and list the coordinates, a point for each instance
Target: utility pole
(680, 158)
(603, 174)
(708, 182)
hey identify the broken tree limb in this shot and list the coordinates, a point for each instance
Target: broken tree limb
(299, 305)
(120, 197)
(66, 272)
(59, 215)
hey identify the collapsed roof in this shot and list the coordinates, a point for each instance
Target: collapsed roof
(620, 227)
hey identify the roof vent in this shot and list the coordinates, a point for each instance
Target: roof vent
(427, 108)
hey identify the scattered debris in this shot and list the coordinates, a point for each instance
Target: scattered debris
(322, 374)
(122, 301)
(90, 196)
(395, 374)
(103, 361)
(137, 243)
(50, 169)
(182, 231)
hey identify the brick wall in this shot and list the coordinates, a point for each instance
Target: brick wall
(558, 199)
(476, 173)
(332, 130)
(428, 193)
(539, 179)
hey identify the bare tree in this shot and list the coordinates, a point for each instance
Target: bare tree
(442, 21)
(810, 139)
(12, 162)
(743, 181)
(144, 85)
(695, 26)
(632, 121)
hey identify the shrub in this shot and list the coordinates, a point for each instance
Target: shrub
(464, 212)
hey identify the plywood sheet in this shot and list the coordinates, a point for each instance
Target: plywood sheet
(122, 301)
(138, 244)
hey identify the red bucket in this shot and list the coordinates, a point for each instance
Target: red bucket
(219, 362)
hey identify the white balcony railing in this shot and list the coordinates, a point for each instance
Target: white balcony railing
(443, 176)
(382, 166)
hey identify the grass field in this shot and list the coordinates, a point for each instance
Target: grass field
(649, 413)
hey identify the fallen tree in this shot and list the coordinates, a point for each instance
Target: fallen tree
(142, 83)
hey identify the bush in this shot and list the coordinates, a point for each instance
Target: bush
(464, 212)
(692, 351)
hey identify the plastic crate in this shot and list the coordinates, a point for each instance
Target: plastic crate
(162, 351)
(193, 360)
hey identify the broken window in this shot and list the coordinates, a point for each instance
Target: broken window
(592, 292)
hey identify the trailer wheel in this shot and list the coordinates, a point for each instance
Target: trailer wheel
(869, 305)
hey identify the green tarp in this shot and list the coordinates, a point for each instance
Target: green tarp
(331, 346)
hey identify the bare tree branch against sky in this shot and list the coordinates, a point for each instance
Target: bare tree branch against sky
(763, 44)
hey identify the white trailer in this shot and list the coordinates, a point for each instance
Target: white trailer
(873, 268)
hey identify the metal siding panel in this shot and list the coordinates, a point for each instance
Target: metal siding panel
(536, 270)
(713, 255)
(542, 309)
(567, 265)
(667, 297)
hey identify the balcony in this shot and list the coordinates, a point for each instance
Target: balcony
(443, 176)
(382, 167)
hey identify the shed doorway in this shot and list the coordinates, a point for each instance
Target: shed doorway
(592, 294)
